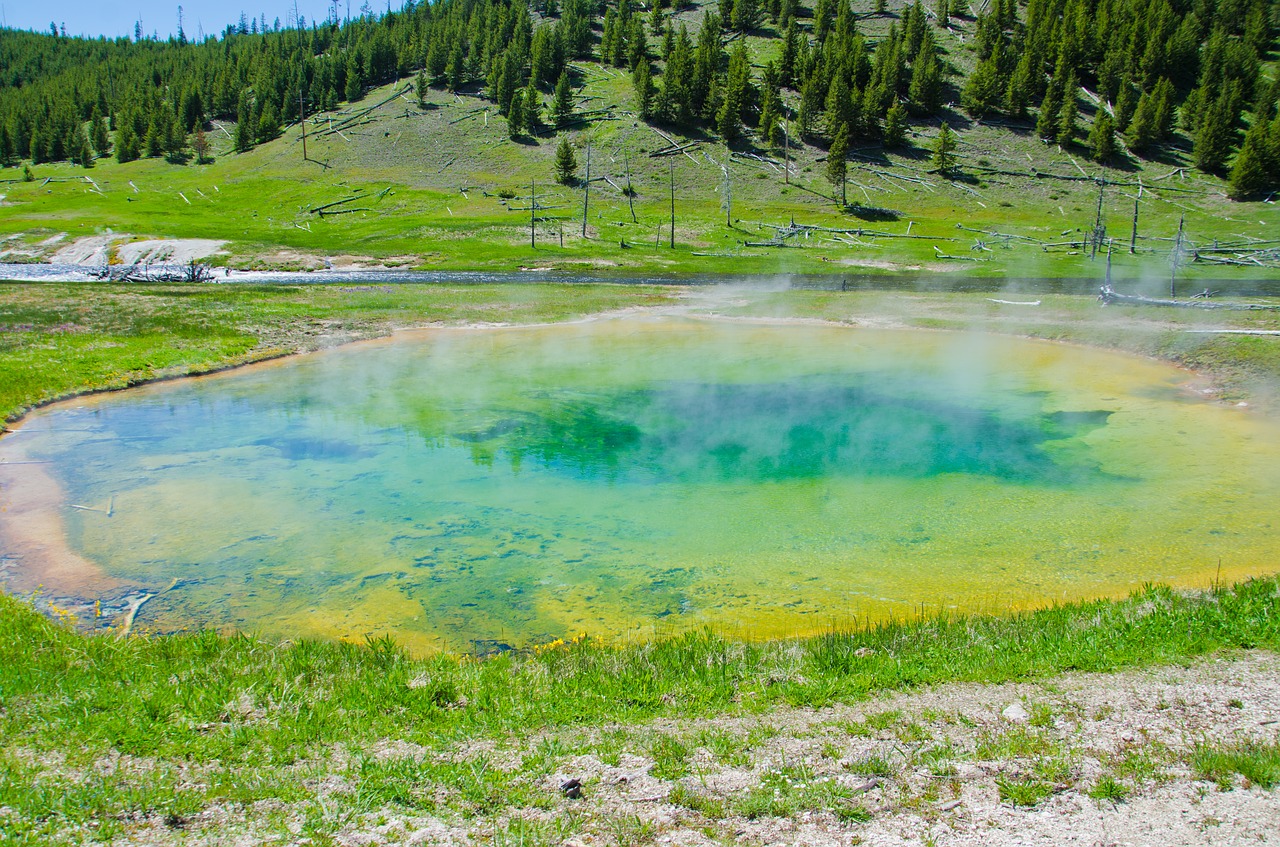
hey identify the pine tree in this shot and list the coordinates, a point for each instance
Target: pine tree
(895, 125)
(637, 44)
(562, 107)
(192, 113)
(515, 115)
(1018, 93)
(770, 117)
(126, 143)
(915, 31)
(200, 144)
(982, 92)
(609, 36)
(839, 106)
(1047, 119)
(1102, 137)
(837, 164)
(944, 158)
(746, 15)
(98, 133)
(355, 79)
(268, 123)
(1126, 103)
(154, 142)
(36, 146)
(1213, 138)
(925, 92)
(1142, 134)
(532, 109)
(786, 13)
(173, 137)
(455, 70)
(566, 163)
(642, 81)
(1163, 108)
(81, 153)
(787, 59)
(421, 87)
(823, 12)
(244, 125)
(706, 62)
(1068, 115)
(1255, 169)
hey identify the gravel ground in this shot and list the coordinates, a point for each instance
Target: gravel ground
(921, 768)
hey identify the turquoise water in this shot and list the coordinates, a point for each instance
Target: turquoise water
(632, 476)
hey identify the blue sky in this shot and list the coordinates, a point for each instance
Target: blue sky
(117, 17)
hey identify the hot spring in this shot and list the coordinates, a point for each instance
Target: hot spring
(633, 476)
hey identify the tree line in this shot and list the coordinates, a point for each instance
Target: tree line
(1144, 68)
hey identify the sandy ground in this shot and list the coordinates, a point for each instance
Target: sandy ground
(1140, 727)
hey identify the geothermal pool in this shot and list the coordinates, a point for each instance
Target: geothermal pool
(626, 477)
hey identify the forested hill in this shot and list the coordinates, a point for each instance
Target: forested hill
(741, 70)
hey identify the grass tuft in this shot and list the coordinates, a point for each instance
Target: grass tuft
(1022, 791)
(1107, 789)
(1258, 762)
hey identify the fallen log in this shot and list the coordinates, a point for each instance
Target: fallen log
(938, 254)
(1108, 295)
(351, 199)
(671, 151)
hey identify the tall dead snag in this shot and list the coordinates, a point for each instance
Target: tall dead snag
(586, 191)
(671, 168)
(1133, 235)
(1176, 259)
(629, 191)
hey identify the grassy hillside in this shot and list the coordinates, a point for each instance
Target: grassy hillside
(446, 188)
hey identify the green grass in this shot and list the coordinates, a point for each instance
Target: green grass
(871, 766)
(670, 757)
(209, 696)
(1258, 762)
(1107, 789)
(704, 804)
(1022, 791)
(246, 720)
(791, 790)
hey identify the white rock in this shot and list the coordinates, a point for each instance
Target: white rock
(1015, 712)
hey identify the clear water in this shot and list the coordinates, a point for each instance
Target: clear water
(632, 476)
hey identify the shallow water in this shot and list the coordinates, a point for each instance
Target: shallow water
(631, 476)
(1231, 286)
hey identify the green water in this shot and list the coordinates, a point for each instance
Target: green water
(632, 476)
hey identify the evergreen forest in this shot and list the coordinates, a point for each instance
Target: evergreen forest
(755, 73)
